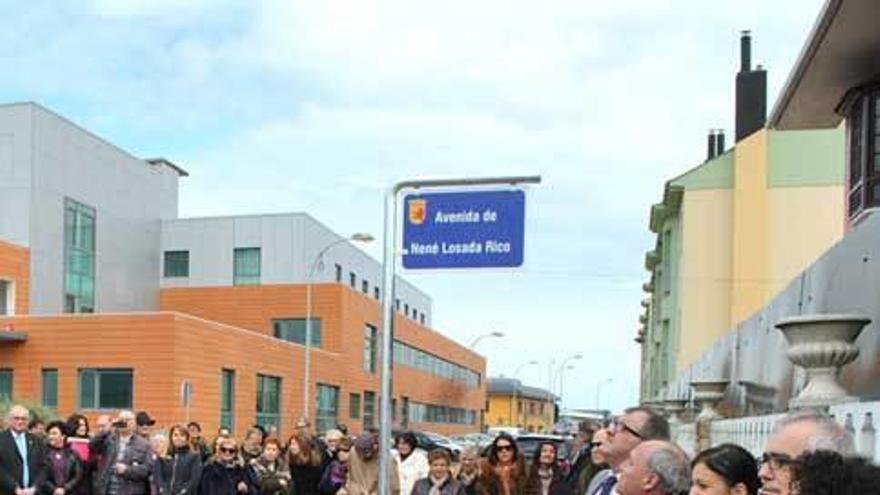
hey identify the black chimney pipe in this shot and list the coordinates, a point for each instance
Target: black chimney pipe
(751, 93)
(719, 143)
(745, 51)
(711, 145)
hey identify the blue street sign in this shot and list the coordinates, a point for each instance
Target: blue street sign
(479, 229)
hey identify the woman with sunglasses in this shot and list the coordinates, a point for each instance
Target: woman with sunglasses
(545, 475)
(227, 473)
(336, 473)
(503, 472)
(727, 469)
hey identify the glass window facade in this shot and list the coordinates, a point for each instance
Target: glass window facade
(176, 264)
(294, 330)
(369, 409)
(354, 406)
(5, 291)
(371, 348)
(106, 388)
(862, 109)
(269, 401)
(79, 257)
(431, 413)
(6, 385)
(246, 266)
(49, 387)
(227, 399)
(414, 357)
(328, 407)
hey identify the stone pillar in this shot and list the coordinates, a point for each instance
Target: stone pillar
(675, 407)
(822, 344)
(707, 394)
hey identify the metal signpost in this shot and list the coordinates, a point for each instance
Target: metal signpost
(474, 228)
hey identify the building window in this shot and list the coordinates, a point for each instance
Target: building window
(862, 109)
(415, 314)
(365, 286)
(6, 291)
(404, 413)
(269, 401)
(339, 273)
(79, 257)
(371, 348)
(246, 266)
(406, 309)
(432, 413)
(376, 293)
(50, 388)
(227, 399)
(369, 409)
(6, 385)
(354, 406)
(106, 388)
(176, 264)
(422, 318)
(397, 304)
(407, 355)
(328, 407)
(352, 280)
(294, 330)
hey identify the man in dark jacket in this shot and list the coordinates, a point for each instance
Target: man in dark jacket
(127, 460)
(21, 455)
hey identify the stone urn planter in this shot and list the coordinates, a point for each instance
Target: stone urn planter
(675, 407)
(822, 345)
(707, 394)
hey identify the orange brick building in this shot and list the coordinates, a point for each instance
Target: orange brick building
(107, 304)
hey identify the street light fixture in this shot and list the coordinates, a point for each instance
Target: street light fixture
(562, 380)
(358, 237)
(562, 365)
(481, 337)
(516, 389)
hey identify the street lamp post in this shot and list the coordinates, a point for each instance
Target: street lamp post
(359, 237)
(599, 390)
(513, 405)
(562, 365)
(562, 380)
(481, 337)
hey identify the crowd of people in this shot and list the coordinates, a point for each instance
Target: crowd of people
(808, 454)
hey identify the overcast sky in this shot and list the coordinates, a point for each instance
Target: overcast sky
(319, 106)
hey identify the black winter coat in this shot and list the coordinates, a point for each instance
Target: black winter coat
(73, 477)
(305, 479)
(179, 473)
(219, 479)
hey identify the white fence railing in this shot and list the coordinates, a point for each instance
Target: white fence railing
(753, 432)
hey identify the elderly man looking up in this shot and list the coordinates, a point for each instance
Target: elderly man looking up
(21, 454)
(637, 425)
(655, 468)
(798, 433)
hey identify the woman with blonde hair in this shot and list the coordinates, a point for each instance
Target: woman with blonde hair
(227, 473)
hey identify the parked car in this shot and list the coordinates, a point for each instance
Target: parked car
(446, 443)
(428, 441)
(478, 440)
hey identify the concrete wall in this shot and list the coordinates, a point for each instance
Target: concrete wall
(44, 159)
(846, 279)
(288, 244)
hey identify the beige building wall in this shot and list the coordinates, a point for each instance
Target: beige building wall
(803, 223)
(705, 270)
(750, 228)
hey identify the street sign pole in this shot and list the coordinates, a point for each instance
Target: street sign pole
(389, 259)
